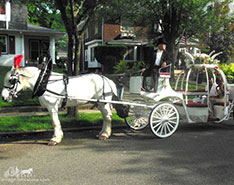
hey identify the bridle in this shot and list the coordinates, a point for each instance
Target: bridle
(14, 82)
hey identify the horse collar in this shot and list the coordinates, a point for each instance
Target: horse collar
(42, 80)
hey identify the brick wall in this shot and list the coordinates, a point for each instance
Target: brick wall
(18, 17)
(111, 31)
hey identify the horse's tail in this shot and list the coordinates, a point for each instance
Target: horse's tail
(122, 110)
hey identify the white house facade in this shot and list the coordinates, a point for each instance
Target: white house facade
(19, 37)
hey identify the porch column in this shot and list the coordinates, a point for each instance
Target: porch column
(135, 54)
(52, 49)
(22, 49)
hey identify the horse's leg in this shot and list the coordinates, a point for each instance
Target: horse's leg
(58, 133)
(107, 117)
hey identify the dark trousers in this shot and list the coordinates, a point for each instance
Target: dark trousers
(154, 73)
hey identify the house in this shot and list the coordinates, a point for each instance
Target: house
(19, 37)
(101, 32)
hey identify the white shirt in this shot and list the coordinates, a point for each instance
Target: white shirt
(158, 57)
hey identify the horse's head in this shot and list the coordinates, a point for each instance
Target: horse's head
(14, 80)
(12, 85)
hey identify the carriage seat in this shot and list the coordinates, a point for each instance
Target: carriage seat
(197, 90)
(192, 104)
(164, 74)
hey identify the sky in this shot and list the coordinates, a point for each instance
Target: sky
(232, 6)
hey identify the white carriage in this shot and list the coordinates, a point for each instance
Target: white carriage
(191, 100)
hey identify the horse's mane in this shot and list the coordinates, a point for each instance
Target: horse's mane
(26, 73)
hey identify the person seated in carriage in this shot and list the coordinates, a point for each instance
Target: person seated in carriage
(216, 94)
(158, 60)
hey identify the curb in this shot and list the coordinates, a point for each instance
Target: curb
(3, 134)
(35, 108)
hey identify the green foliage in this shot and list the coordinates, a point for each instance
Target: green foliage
(137, 66)
(221, 33)
(109, 56)
(125, 67)
(45, 13)
(122, 67)
(30, 123)
(228, 70)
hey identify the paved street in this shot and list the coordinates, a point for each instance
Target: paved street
(200, 154)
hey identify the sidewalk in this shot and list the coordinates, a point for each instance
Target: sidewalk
(37, 110)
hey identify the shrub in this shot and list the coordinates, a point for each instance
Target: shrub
(228, 70)
(122, 67)
(125, 67)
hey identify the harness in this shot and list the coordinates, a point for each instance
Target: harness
(14, 81)
(43, 79)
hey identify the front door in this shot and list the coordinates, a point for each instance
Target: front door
(37, 49)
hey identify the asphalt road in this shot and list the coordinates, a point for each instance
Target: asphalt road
(197, 154)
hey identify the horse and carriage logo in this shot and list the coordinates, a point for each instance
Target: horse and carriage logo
(14, 172)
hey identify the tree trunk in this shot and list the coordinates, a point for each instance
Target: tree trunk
(71, 111)
(70, 54)
(170, 50)
(76, 58)
(79, 54)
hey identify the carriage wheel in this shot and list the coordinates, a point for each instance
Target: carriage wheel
(138, 117)
(164, 119)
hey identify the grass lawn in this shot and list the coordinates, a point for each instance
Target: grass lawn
(30, 123)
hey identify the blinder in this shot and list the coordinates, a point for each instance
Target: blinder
(14, 81)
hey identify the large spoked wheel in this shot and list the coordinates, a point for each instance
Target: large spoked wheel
(138, 117)
(164, 119)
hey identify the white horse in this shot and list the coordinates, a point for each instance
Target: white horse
(90, 86)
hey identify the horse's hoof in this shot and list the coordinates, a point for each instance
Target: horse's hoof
(103, 138)
(52, 143)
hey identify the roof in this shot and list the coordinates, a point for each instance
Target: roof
(33, 29)
(128, 42)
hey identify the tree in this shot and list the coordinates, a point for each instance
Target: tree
(73, 12)
(45, 14)
(169, 19)
(221, 35)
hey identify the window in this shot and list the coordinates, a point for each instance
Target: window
(45, 45)
(3, 44)
(34, 50)
(11, 44)
(86, 55)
